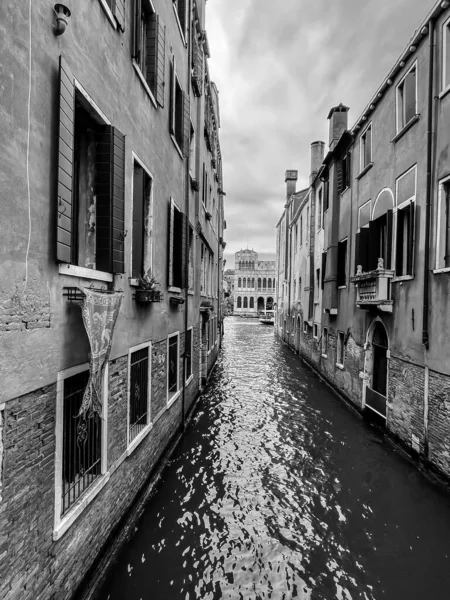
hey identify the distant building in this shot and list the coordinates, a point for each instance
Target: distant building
(254, 283)
(363, 255)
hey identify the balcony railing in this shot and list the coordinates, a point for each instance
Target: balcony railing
(373, 289)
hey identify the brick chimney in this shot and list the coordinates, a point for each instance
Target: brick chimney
(291, 183)
(338, 117)
(317, 156)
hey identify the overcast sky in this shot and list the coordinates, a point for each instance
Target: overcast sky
(279, 67)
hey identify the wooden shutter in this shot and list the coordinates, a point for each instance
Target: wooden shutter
(339, 177)
(151, 51)
(119, 13)
(197, 73)
(324, 268)
(170, 240)
(182, 14)
(389, 235)
(184, 254)
(364, 240)
(65, 163)
(137, 266)
(160, 62)
(357, 246)
(326, 195)
(186, 124)
(409, 96)
(411, 238)
(373, 249)
(110, 191)
(172, 98)
(137, 31)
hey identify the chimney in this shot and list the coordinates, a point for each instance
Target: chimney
(338, 117)
(317, 156)
(291, 183)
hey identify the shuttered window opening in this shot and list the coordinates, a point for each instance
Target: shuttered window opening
(141, 234)
(406, 99)
(139, 392)
(443, 226)
(197, 66)
(180, 114)
(81, 443)
(91, 162)
(149, 47)
(346, 164)
(173, 365)
(117, 7)
(180, 7)
(189, 353)
(404, 262)
(366, 148)
(177, 247)
(342, 263)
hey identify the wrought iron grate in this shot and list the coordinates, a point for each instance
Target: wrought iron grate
(138, 391)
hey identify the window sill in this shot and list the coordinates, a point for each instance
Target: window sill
(134, 281)
(324, 355)
(138, 439)
(340, 366)
(364, 171)
(175, 143)
(179, 24)
(191, 293)
(73, 514)
(174, 290)
(189, 379)
(444, 92)
(75, 271)
(342, 287)
(144, 83)
(173, 399)
(343, 191)
(406, 128)
(442, 270)
(109, 14)
(402, 278)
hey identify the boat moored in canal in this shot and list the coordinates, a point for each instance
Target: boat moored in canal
(267, 318)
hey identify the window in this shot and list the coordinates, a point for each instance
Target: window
(259, 283)
(406, 99)
(142, 217)
(316, 331)
(192, 152)
(344, 174)
(366, 148)
(245, 302)
(180, 118)
(269, 283)
(295, 238)
(149, 48)
(340, 348)
(446, 55)
(320, 209)
(173, 365)
(179, 7)
(239, 302)
(177, 247)
(305, 326)
(325, 341)
(90, 223)
(253, 283)
(443, 226)
(138, 390)
(326, 195)
(264, 284)
(317, 282)
(307, 224)
(405, 224)
(189, 353)
(191, 259)
(116, 12)
(301, 231)
(239, 282)
(252, 303)
(342, 263)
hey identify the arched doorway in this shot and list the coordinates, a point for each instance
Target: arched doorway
(269, 303)
(376, 367)
(252, 303)
(260, 304)
(239, 302)
(245, 302)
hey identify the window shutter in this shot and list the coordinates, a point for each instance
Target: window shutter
(357, 257)
(119, 13)
(197, 73)
(110, 191)
(389, 239)
(339, 176)
(136, 30)
(151, 51)
(184, 255)
(160, 62)
(186, 125)
(172, 98)
(409, 95)
(324, 267)
(411, 238)
(182, 14)
(65, 162)
(170, 243)
(326, 195)
(364, 241)
(373, 246)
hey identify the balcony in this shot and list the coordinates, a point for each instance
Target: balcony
(373, 289)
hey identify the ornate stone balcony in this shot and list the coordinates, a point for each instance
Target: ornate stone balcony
(373, 289)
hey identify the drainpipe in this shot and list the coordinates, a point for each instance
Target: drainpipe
(187, 231)
(430, 136)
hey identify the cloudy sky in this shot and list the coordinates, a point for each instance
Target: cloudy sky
(280, 66)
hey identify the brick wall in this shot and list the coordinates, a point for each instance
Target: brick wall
(439, 421)
(117, 408)
(21, 310)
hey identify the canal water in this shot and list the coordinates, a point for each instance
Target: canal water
(279, 491)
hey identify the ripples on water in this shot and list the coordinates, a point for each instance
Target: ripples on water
(278, 491)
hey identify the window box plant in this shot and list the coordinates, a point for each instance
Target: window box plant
(147, 289)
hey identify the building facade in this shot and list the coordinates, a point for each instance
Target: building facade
(113, 200)
(254, 284)
(371, 314)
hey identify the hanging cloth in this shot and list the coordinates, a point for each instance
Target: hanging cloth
(99, 311)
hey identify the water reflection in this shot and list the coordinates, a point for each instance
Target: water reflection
(278, 491)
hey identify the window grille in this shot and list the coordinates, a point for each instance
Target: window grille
(138, 391)
(173, 364)
(188, 353)
(81, 443)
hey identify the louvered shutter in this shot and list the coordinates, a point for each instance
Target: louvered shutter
(186, 124)
(151, 51)
(326, 195)
(324, 268)
(364, 240)
(119, 13)
(339, 177)
(110, 191)
(172, 98)
(357, 257)
(184, 254)
(182, 14)
(411, 238)
(170, 240)
(197, 59)
(373, 246)
(137, 31)
(160, 62)
(65, 163)
(389, 236)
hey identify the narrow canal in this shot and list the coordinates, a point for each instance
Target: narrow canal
(279, 491)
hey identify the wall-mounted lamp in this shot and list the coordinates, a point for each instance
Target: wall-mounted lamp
(62, 18)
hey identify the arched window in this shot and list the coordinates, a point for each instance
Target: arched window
(253, 283)
(259, 283)
(245, 302)
(239, 302)
(269, 283)
(239, 282)
(274, 283)
(252, 303)
(244, 282)
(264, 283)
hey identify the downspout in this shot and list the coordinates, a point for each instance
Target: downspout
(430, 136)
(187, 231)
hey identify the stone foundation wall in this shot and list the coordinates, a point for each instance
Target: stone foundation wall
(439, 421)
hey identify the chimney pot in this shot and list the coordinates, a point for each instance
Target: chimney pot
(338, 117)
(317, 156)
(290, 179)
